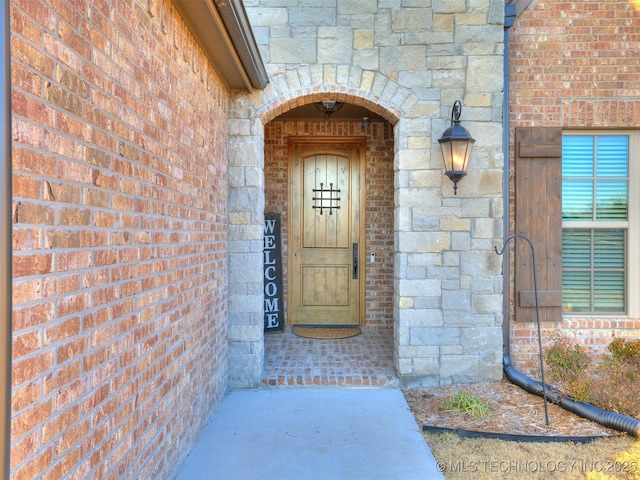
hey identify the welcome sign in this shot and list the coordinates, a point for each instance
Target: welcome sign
(273, 305)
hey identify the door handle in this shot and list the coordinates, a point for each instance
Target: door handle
(355, 260)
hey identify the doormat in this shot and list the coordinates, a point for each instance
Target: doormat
(327, 333)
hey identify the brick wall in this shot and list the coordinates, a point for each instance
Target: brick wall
(573, 65)
(120, 186)
(378, 201)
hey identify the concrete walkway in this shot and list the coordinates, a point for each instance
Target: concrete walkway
(311, 433)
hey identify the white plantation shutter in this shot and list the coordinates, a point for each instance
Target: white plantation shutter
(595, 200)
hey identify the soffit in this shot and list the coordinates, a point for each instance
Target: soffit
(223, 30)
(520, 5)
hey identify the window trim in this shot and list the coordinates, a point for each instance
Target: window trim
(632, 225)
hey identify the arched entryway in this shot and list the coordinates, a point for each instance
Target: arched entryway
(446, 278)
(250, 118)
(368, 358)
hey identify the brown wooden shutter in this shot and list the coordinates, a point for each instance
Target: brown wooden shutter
(538, 210)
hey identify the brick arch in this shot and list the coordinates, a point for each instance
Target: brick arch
(387, 107)
(248, 117)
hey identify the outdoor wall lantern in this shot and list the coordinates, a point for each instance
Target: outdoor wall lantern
(456, 144)
(328, 106)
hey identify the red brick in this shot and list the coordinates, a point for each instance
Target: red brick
(96, 358)
(70, 394)
(71, 304)
(30, 368)
(105, 295)
(95, 400)
(104, 257)
(24, 396)
(30, 418)
(65, 146)
(36, 264)
(25, 27)
(34, 214)
(96, 318)
(104, 410)
(26, 187)
(121, 238)
(59, 423)
(106, 104)
(29, 161)
(62, 331)
(123, 272)
(26, 343)
(73, 127)
(24, 448)
(62, 239)
(103, 180)
(29, 55)
(62, 193)
(70, 461)
(62, 376)
(25, 79)
(104, 334)
(57, 49)
(27, 317)
(63, 99)
(74, 40)
(35, 110)
(75, 172)
(103, 372)
(75, 216)
(89, 169)
(40, 460)
(106, 219)
(72, 349)
(97, 157)
(95, 238)
(568, 69)
(27, 291)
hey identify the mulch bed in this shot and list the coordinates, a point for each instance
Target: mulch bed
(513, 411)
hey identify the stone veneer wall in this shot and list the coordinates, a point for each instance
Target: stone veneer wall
(408, 62)
(378, 201)
(119, 239)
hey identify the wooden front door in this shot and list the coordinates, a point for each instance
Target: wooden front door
(326, 249)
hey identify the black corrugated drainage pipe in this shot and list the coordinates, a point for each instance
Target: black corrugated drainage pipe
(608, 419)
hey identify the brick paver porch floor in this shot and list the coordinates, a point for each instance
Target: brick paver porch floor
(365, 360)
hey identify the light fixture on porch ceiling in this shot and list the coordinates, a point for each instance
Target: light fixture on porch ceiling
(329, 106)
(456, 144)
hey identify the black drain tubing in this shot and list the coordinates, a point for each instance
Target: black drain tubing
(606, 418)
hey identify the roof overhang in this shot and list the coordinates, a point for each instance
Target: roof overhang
(520, 5)
(223, 30)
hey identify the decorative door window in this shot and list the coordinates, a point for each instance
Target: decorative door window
(326, 198)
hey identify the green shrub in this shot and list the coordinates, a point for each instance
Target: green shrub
(467, 403)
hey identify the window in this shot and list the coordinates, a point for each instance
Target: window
(599, 223)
